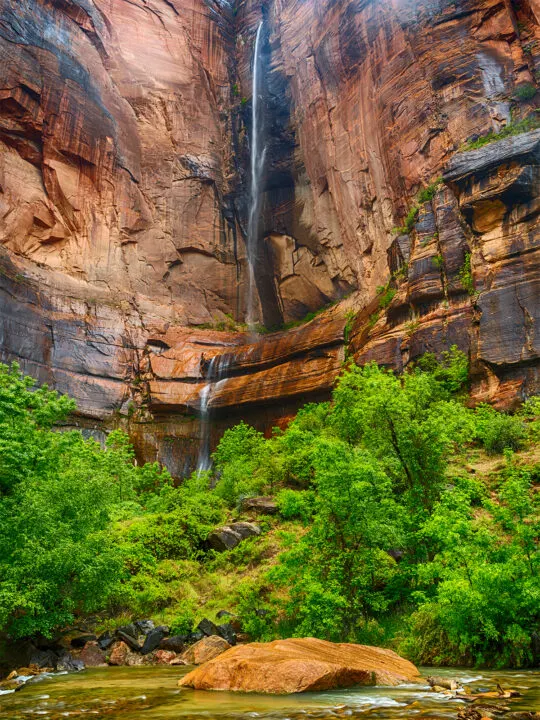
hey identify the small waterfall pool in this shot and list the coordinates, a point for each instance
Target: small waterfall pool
(151, 693)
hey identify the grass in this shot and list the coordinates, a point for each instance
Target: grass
(226, 324)
(514, 128)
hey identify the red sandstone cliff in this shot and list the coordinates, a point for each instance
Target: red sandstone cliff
(123, 156)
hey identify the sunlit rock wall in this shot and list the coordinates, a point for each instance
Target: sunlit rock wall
(124, 155)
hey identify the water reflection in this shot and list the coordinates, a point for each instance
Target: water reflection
(150, 693)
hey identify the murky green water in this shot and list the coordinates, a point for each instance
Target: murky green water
(151, 693)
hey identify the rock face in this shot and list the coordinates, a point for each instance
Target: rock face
(123, 200)
(300, 665)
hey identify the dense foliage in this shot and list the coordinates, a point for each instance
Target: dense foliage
(58, 493)
(392, 536)
(383, 536)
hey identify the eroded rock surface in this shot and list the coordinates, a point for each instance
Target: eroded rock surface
(300, 665)
(123, 201)
(205, 650)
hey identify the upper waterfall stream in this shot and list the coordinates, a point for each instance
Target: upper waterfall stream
(257, 159)
(216, 367)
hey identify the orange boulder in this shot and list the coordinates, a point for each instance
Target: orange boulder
(300, 665)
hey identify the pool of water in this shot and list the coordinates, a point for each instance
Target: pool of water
(151, 693)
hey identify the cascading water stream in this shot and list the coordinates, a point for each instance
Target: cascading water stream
(215, 374)
(218, 365)
(257, 155)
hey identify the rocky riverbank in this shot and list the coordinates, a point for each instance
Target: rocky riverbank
(140, 642)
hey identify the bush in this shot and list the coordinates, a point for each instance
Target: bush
(295, 505)
(184, 621)
(498, 431)
(466, 275)
(525, 92)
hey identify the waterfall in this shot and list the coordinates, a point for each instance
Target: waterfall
(215, 374)
(257, 154)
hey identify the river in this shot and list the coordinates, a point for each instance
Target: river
(150, 693)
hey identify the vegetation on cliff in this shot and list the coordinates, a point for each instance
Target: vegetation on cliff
(385, 535)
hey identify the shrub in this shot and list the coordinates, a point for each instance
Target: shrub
(387, 294)
(428, 193)
(465, 275)
(184, 621)
(517, 128)
(498, 431)
(525, 92)
(295, 504)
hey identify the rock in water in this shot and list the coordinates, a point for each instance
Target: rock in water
(154, 638)
(206, 649)
(92, 655)
(300, 665)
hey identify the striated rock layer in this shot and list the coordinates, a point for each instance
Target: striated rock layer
(124, 150)
(300, 665)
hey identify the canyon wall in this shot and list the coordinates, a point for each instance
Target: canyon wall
(124, 156)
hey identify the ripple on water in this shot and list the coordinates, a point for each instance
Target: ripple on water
(151, 693)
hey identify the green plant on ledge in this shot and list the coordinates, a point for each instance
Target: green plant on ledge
(411, 327)
(350, 317)
(524, 92)
(514, 128)
(425, 195)
(373, 319)
(465, 275)
(438, 261)
(387, 294)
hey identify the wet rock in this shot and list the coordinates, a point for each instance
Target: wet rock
(176, 643)
(92, 655)
(130, 629)
(14, 684)
(44, 658)
(178, 661)
(206, 649)
(445, 683)
(207, 627)
(80, 640)
(130, 640)
(134, 659)
(164, 657)
(300, 665)
(119, 653)
(260, 505)
(154, 638)
(226, 631)
(523, 149)
(105, 640)
(67, 663)
(144, 626)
